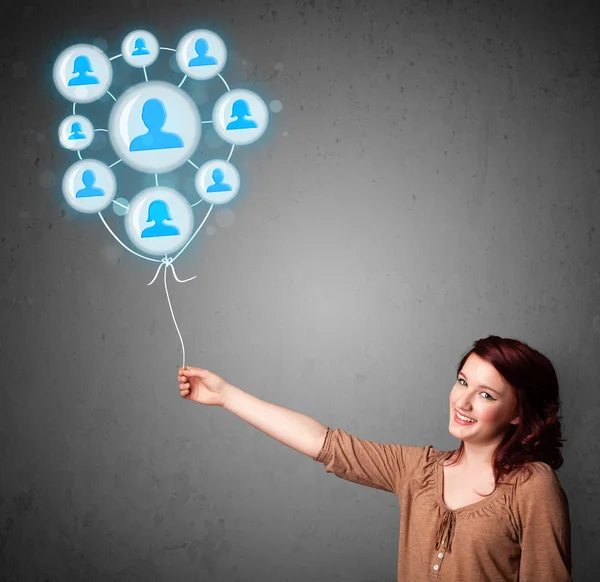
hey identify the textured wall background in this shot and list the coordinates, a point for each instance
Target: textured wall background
(431, 179)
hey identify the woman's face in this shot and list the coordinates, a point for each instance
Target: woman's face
(481, 394)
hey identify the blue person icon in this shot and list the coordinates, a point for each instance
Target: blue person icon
(82, 67)
(240, 109)
(202, 59)
(158, 212)
(89, 190)
(154, 116)
(76, 131)
(219, 185)
(140, 48)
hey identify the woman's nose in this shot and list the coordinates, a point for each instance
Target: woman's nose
(464, 403)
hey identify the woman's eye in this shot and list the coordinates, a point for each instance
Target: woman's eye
(489, 397)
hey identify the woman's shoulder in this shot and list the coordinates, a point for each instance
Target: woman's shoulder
(536, 478)
(538, 495)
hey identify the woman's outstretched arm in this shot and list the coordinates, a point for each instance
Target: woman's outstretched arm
(298, 431)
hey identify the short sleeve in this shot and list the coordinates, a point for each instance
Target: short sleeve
(381, 466)
(544, 527)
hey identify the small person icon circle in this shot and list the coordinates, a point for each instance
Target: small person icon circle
(159, 221)
(140, 49)
(201, 54)
(217, 181)
(75, 132)
(89, 186)
(240, 117)
(82, 73)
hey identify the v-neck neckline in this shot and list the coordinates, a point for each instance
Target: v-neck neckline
(464, 508)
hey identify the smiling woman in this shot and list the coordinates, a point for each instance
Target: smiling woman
(504, 410)
(511, 393)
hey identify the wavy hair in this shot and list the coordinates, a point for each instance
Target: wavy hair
(538, 435)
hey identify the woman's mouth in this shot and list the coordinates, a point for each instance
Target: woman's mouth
(464, 420)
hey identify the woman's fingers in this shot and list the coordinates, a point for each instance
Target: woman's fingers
(184, 384)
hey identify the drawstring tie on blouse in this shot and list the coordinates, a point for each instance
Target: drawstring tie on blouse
(446, 527)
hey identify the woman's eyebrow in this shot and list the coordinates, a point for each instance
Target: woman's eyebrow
(484, 386)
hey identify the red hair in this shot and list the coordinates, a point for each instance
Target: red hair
(538, 435)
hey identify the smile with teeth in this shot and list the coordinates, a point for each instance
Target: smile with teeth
(465, 418)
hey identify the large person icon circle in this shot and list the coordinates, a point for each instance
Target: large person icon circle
(201, 54)
(154, 127)
(240, 117)
(82, 73)
(89, 186)
(160, 220)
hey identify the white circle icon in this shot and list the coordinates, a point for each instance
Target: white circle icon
(240, 117)
(217, 182)
(139, 48)
(154, 127)
(89, 186)
(75, 133)
(201, 54)
(159, 221)
(82, 73)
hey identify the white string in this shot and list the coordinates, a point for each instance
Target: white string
(168, 262)
(224, 81)
(230, 152)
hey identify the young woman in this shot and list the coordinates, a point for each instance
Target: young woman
(491, 510)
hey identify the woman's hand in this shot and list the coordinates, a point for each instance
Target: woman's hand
(202, 386)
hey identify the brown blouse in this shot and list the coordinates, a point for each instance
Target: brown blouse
(521, 532)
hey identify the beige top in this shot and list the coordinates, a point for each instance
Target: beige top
(521, 532)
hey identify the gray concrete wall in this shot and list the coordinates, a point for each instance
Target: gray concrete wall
(431, 179)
